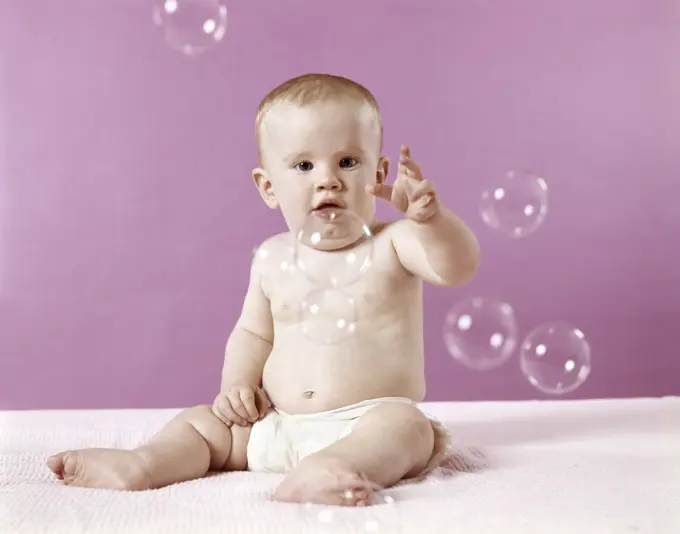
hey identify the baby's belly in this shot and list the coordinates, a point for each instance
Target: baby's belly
(304, 377)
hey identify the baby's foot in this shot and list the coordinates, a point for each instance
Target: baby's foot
(325, 481)
(101, 468)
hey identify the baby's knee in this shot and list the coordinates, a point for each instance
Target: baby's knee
(205, 422)
(403, 422)
(407, 417)
(416, 434)
(202, 412)
(228, 445)
(411, 428)
(418, 425)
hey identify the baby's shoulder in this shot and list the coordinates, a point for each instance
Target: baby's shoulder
(282, 239)
(385, 252)
(276, 245)
(389, 231)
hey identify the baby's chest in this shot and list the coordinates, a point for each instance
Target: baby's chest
(294, 300)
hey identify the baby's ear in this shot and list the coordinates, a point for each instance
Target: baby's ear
(264, 186)
(383, 169)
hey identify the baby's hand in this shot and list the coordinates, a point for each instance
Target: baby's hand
(411, 193)
(241, 404)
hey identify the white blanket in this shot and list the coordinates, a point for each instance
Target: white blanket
(582, 467)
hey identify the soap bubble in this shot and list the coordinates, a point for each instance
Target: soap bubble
(515, 205)
(480, 333)
(328, 316)
(378, 514)
(273, 259)
(334, 247)
(191, 26)
(555, 358)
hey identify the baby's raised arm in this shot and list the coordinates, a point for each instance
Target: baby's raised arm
(441, 251)
(241, 399)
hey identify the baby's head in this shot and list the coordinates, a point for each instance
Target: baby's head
(319, 140)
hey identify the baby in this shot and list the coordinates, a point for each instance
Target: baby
(328, 416)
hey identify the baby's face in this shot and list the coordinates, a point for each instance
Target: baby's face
(326, 153)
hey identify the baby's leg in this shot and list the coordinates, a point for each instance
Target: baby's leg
(391, 442)
(190, 445)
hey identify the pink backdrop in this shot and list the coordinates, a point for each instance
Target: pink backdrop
(128, 214)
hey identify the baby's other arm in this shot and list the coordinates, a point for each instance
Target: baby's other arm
(241, 400)
(250, 342)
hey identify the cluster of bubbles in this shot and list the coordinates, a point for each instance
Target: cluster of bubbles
(333, 249)
(482, 333)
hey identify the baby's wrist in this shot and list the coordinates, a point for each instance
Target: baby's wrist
(237, 384)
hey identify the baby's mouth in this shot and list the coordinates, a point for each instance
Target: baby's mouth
(328, 211)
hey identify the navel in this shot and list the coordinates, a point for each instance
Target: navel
(308, 394)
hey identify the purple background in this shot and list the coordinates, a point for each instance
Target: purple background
(128, 214)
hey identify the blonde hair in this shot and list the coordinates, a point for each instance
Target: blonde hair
(312, 88)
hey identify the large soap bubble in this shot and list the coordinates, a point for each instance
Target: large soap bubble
(334, 247)
(516, 204)
(480, 333)
(555, 358)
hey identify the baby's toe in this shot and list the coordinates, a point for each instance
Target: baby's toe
(64, 465)
(55, 463)
(356, 495)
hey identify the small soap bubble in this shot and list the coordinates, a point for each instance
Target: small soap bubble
(359, 507)
(480, 333)
(334, 247)
(191, 26)
(516, 204)
(328, 316)
(555, 358)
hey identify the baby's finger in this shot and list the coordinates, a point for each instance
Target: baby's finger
(222, 413)
(411, 169)
(423, 192)
(238, 408)
(248, 399)
(262, 402)
(404, 152)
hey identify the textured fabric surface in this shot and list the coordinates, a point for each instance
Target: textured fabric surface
(583, 467)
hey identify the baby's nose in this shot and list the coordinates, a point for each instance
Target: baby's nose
(330, 182)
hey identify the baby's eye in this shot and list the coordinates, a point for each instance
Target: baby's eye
(304, 166)
(348, 163)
